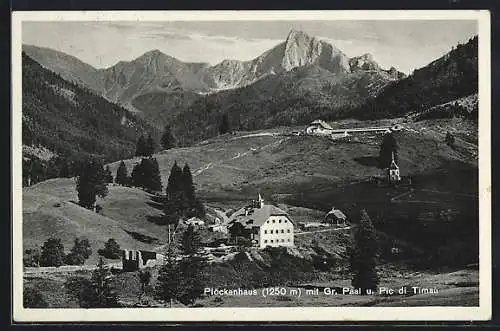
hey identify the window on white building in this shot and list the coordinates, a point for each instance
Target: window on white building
(282, 231)
(272, 240)
(279, 221)
(271, 231)
(288, 230)
(265, 231)
(288, 240)
(274, 221)
(265, 241)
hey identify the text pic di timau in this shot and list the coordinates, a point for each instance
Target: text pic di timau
(317, 291)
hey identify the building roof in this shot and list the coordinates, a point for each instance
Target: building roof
(393, 165)
(337, 213)
(256, 216)
(323, 124)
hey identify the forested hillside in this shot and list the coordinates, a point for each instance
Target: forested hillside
(294, 97)
(72, 121)
(453, 76)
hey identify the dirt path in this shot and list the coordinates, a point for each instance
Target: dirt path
(67, 268)
(324, 230)
(238, 155)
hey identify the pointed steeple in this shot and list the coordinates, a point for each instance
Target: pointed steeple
(261, 201)
(393, 162)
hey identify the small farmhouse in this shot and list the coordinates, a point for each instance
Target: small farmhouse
(264, 225)
(195, 221)
(336, 217)
(139, 259)
(393, 172)
(319, 127)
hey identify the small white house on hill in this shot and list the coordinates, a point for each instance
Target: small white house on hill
(265, 225)
(335, 216)
(319, 127)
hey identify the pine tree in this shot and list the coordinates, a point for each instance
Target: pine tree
(122, 174)
(188, 186)
(168, 139)
(52, 253)
(100, 293)
(224, 127)
(155, 183)
(168, 284)
(140, 149)
(137, 175)
(191, 267)
(150, 146)
(108, 177)
(174, 180)
(363, 255)
(387, 148)
(175, 202)
(91, 183)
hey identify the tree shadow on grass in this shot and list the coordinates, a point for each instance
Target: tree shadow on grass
(155, 205)
(369, 161)
(156, 202)
(156, 219)
(142, 237)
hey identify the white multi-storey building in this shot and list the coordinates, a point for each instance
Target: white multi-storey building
(265, 225)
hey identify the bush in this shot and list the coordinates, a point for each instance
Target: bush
(52, 253)
(31, 257)
(111, 250)
(33, 299)
(79, 253)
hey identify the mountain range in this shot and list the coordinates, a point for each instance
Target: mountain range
(300, 79)
(155, 71)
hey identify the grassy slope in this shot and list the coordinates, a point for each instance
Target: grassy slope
(48, 211)
(458, 288)
(294, 170)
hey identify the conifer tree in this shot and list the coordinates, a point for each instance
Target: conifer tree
(191, 267)
(363, 255)
(91, 183)
(100, 292)
(169, 282)
(108, 177)
(137, 175)
(140, 149)
(187, 183)
(387, 148)
(224, 127)
(174, 180)
(168, 139)
(155, 183)
(122, 174)
(150, 146)
(175, 202)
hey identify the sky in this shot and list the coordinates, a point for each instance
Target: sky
(404, 44)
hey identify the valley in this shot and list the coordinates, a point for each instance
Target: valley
(303, 175)
(327, 147)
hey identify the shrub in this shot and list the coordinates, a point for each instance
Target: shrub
(32, 298)
(79, 253)
(111, 250)
(31, 257)
(52, 253)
